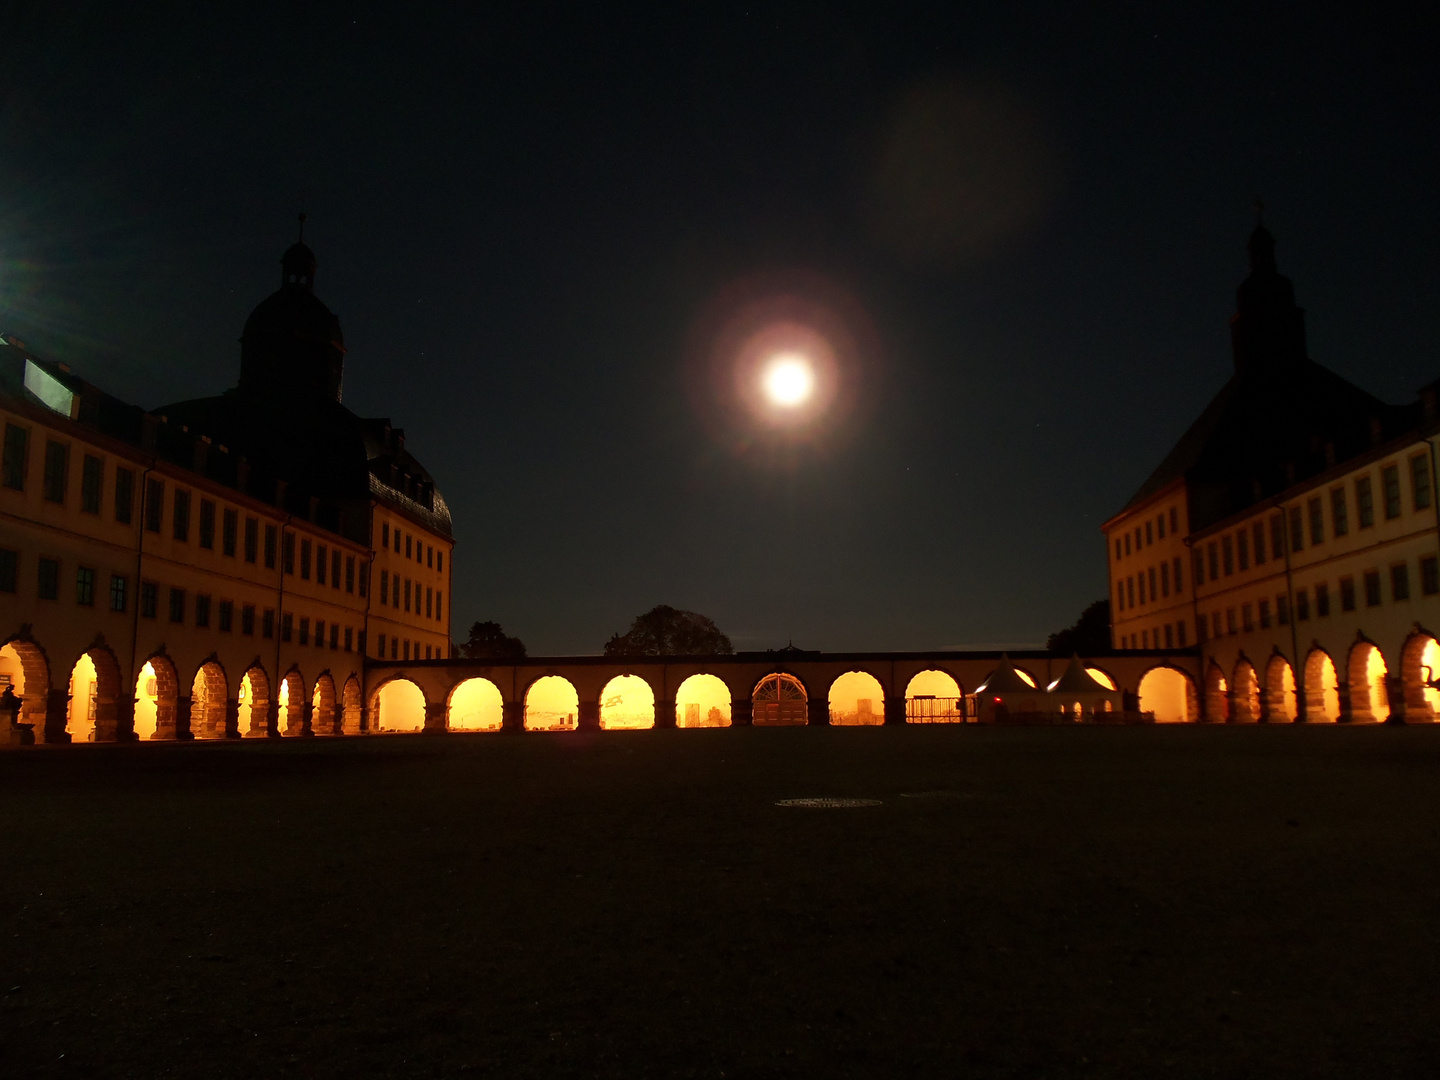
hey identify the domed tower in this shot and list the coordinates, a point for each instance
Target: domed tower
(292, 347)
(1267, 330)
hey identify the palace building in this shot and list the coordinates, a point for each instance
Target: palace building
(213, 568)
(1291, 536)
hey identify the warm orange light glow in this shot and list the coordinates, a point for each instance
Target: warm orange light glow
(250, 717)
(1025, 675)
(1100, 677)
(80, 721)
(1166, 693)
(856, 699)
(476, 705)
(627, 702)
(551, 704)
(1322, 689)
(933, 697)
(702, 701)
(207, 704)
(147, 706)
(1375, 673)
(400, 706)
(1430, 671)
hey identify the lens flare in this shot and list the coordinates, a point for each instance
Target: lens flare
(789, 380)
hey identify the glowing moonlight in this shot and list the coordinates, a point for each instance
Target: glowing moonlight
(788, 380)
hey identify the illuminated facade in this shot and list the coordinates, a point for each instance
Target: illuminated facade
(1291, 536)
(215, 568)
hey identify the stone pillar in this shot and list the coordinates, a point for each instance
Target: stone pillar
(273, 720)
(182, 719)
(588, 718)
(512, 717)
(232, 719)
(1395, 691)
(1347, 711)
(665, 713)
(894, 711)
(57, 706)
(307, 717)
(106, 725)
(742, 712)
(817, 712)
(364, 727)
(435, 718)
(125, 718)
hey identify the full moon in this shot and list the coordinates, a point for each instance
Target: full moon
(789, 380)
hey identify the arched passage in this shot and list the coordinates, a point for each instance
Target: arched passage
(84, 694)
(352, 699)
(627, 702)
(157, 693)
(779, 700)
(1369, 699)
(934, 697)
(551, 704)
(1217, 695)
(1280, 701)
(702, 701)
(1245, 699)
(1419, 668)
(23, 667)
(1170, 695)
(323, 717)
(1102, 677)
(1322, 689)
(857, 699)
(475, 705)
(399, 705)
(254, 704)
(290, 718)
(208, 694)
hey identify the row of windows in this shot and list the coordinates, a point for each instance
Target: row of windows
(1146, 534)
(1234, 551)
(1248, 616)
(202, 607)
(397, 593)
(57, 456)
(399, 646)
(1173, 637)
(422, 552)
(1150, 585)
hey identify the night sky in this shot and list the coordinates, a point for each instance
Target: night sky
(1028, 221)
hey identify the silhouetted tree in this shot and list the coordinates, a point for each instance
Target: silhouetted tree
(666, 631)
(1090, 634)
(488, 641)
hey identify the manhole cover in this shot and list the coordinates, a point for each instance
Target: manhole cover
(828, 804)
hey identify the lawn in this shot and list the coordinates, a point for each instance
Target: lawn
(1048, 902)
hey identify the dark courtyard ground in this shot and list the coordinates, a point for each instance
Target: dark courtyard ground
(1037, 902)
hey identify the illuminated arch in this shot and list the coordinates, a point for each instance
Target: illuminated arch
(24, 665)
(290, 717)
(475, 705)
(1217, 695)
(627, 702)
(352, 702)
(934, 697)
(92, 713)
(1245, 695)
(253, 699)
(1322, 688)
(779, 700)
(209, 692)
(857, 699)
(551, 704)
(1279, 702)
(1366, 671)
(324, 719)
(1103, 677)
(157, 693)
(398, 705)
(1170, 694)
(1419, 667)
(702, 701)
